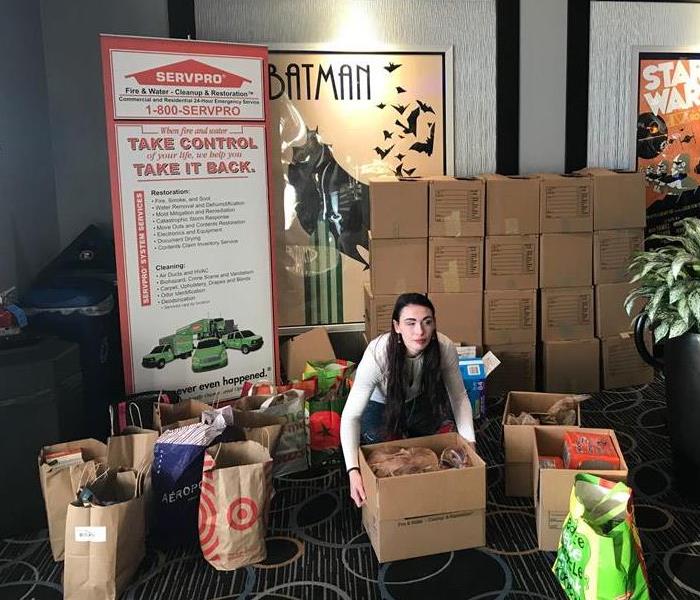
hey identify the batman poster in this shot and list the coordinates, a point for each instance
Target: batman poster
(668, 130)
(338, 120)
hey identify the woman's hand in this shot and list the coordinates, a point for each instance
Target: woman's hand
(357, 489)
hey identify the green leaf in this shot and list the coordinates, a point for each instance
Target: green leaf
(677, 292)
(678, 264)
(678, 328)
(661, 331)
(694, 304)
(684, 310)
(670, 278)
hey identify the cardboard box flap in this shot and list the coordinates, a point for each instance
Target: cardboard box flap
(409, 496)
(312, 345)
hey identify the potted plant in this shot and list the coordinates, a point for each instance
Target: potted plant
(668, 278)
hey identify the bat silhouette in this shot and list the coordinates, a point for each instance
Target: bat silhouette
(412, 121)
(400, 90)
(383, 152)
(387, 135)
(381, 105)
(400, 156)
(687, 139)
(409, 172)
(399, 109)
(391, 67)
(397, 171)
(426, 108)
(427, 146)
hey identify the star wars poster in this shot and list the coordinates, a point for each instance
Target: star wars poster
(340, 119)
(668, 126)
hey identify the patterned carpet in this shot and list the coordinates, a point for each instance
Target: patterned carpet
(317, 549)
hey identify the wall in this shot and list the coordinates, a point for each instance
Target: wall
(28, 220)
(617, 28)
(543, 39)
(468, 25)
(73, 71)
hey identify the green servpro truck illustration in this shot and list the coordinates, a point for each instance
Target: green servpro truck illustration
(210, 353)
(187, 339)
(244, 340)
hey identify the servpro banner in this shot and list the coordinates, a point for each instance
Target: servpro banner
(188, 144)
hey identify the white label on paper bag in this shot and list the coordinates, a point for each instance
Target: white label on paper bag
(90, 534)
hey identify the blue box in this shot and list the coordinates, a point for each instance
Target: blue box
(474, 376)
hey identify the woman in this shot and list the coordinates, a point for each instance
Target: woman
(407, 384)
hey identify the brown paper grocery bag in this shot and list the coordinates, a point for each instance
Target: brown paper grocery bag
(267, 436)
(59, 483)
(105, 544)
(132, 448)
(234, 504)
(170, 416)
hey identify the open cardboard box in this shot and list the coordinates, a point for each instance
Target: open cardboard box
(426, 513)
(553, 486)
(518, 440)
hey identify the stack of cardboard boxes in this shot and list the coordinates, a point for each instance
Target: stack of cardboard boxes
(619, 217)
(398, 247)
(570, 352)
(456, 256)
(511, 268)
(570, 236)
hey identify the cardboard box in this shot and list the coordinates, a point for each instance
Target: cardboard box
(512, 262)
(456, 207)
(621, 364)
(517, 371)
(518, 440)
(455, 264)
(553, 486)
(566, 260)
(398, 207)
(407, 516)
(312, 345)
(613, 252)
(378, 310)
(459, 316)
(610, 315)
(398, 266)
(571, 367)
(619, 199)
(512, 205)
(510, 317)
(566, 203)
(566, 314)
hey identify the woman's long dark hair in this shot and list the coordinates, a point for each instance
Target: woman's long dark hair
(432, 389)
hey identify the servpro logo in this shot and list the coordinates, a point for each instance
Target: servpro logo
(189, 73)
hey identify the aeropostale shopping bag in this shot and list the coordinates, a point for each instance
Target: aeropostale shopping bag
(600, 554)
(105, 544)
(234, 504)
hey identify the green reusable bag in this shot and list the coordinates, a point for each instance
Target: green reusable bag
(600, 555)
(328, 372)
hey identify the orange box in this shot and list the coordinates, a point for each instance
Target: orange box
(587, 450)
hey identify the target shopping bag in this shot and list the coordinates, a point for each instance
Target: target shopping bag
(234, 504)
(600, 555)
